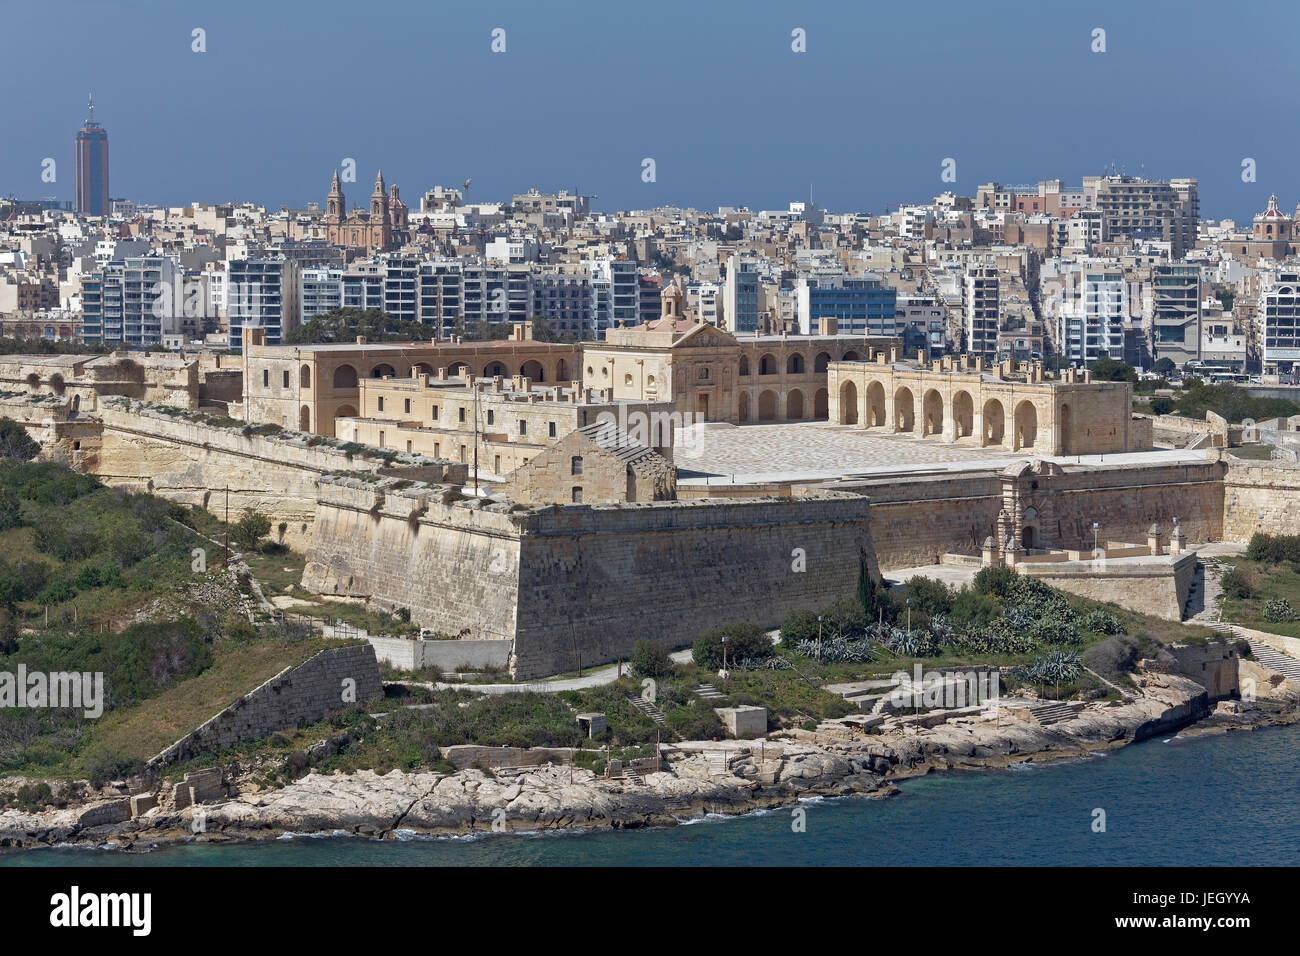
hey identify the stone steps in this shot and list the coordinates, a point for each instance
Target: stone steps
(1275, 660)
(659, 718)
(708, 692)
(1052, 713)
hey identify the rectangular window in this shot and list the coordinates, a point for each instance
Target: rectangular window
(408, 406)
(523, 427)
(381, 403)
(461, 410)
(550, 429)
(286, 379)
(266, 378)
(577, 495)
(435, 413)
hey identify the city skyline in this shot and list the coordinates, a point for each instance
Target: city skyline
(741, 121)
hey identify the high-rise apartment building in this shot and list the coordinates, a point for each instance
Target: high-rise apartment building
(92, 167)
(740, 295)
(261, 293)
(1176, 312)
(1136, 208)
(1280, 315)
(980, 299)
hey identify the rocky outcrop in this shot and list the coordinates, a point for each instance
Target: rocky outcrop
(731, 777)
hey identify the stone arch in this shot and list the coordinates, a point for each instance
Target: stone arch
(876, 405)
(851, 356)
(848, 404)
(932, 413)
(345, 376)
(304, 419)
(963, 415)
(304, 377)
(382, 369)
(993, 423)
(904, 410)
(1067, 430)
(493, 369)
(744, 365)
(744, 406)
(767, 406)
(822, 361)
(767, 364)
(421, 368)
(794, 405)
(1026, 432)
(794, 365)
(822, 405)
(533, 369)
(345, 411)
(1030, 534)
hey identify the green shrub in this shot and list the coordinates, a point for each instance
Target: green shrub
(15, 443)
(743, 640)
(1113, 657)
(970, 608)
(928, 596)
(1162, 405)
(997, 581)
(1274, 548)
(1238, 583)
(1279, 611)
(10, 512)
(798, 626)
(696, 723)
(649, 659)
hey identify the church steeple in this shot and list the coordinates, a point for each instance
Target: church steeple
(379, 200)
(335, 204)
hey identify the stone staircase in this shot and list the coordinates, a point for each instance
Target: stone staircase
(659, 718)
(1051, 712)
(632, 778)
(1275, 660)
(717, 761)
(708, 692)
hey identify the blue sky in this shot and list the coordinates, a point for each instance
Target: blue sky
(710, 89)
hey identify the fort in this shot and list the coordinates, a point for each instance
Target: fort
(584, 541)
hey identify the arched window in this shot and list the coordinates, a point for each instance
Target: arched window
(575, 465)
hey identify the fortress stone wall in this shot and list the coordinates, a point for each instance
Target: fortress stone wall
(326, 683)
(141, 448)
(579, 585)
(1260, 497)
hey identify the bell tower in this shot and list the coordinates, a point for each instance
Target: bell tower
(335, 205)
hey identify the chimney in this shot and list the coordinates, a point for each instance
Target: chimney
(828, 325)
(1153, 539)
(423, 379)
(496, 383)
(979, 363)
(895, 353)
(361, 340)
(882, 356)
(442, 374)
(921, 356)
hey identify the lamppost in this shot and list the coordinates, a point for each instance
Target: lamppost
(724, 655)
(909, 615)
(819, 637)
(1095, 528)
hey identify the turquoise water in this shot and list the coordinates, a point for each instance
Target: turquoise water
(1231, 799)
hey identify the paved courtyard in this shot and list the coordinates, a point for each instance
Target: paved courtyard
(816, 450)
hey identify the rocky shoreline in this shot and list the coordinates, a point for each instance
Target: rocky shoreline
(732, 777)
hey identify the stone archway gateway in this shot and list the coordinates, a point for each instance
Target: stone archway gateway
(993, 423)
(963, 415)
(794, 405)
(848, 404)
(876, 405)
(932, 413)
(767, 406)
(821, 405)
(1026, 432)
(904, 410)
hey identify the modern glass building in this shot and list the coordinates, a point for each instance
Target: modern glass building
(92, 167)
(861, 306)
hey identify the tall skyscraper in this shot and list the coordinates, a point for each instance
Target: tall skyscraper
(92, 167)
